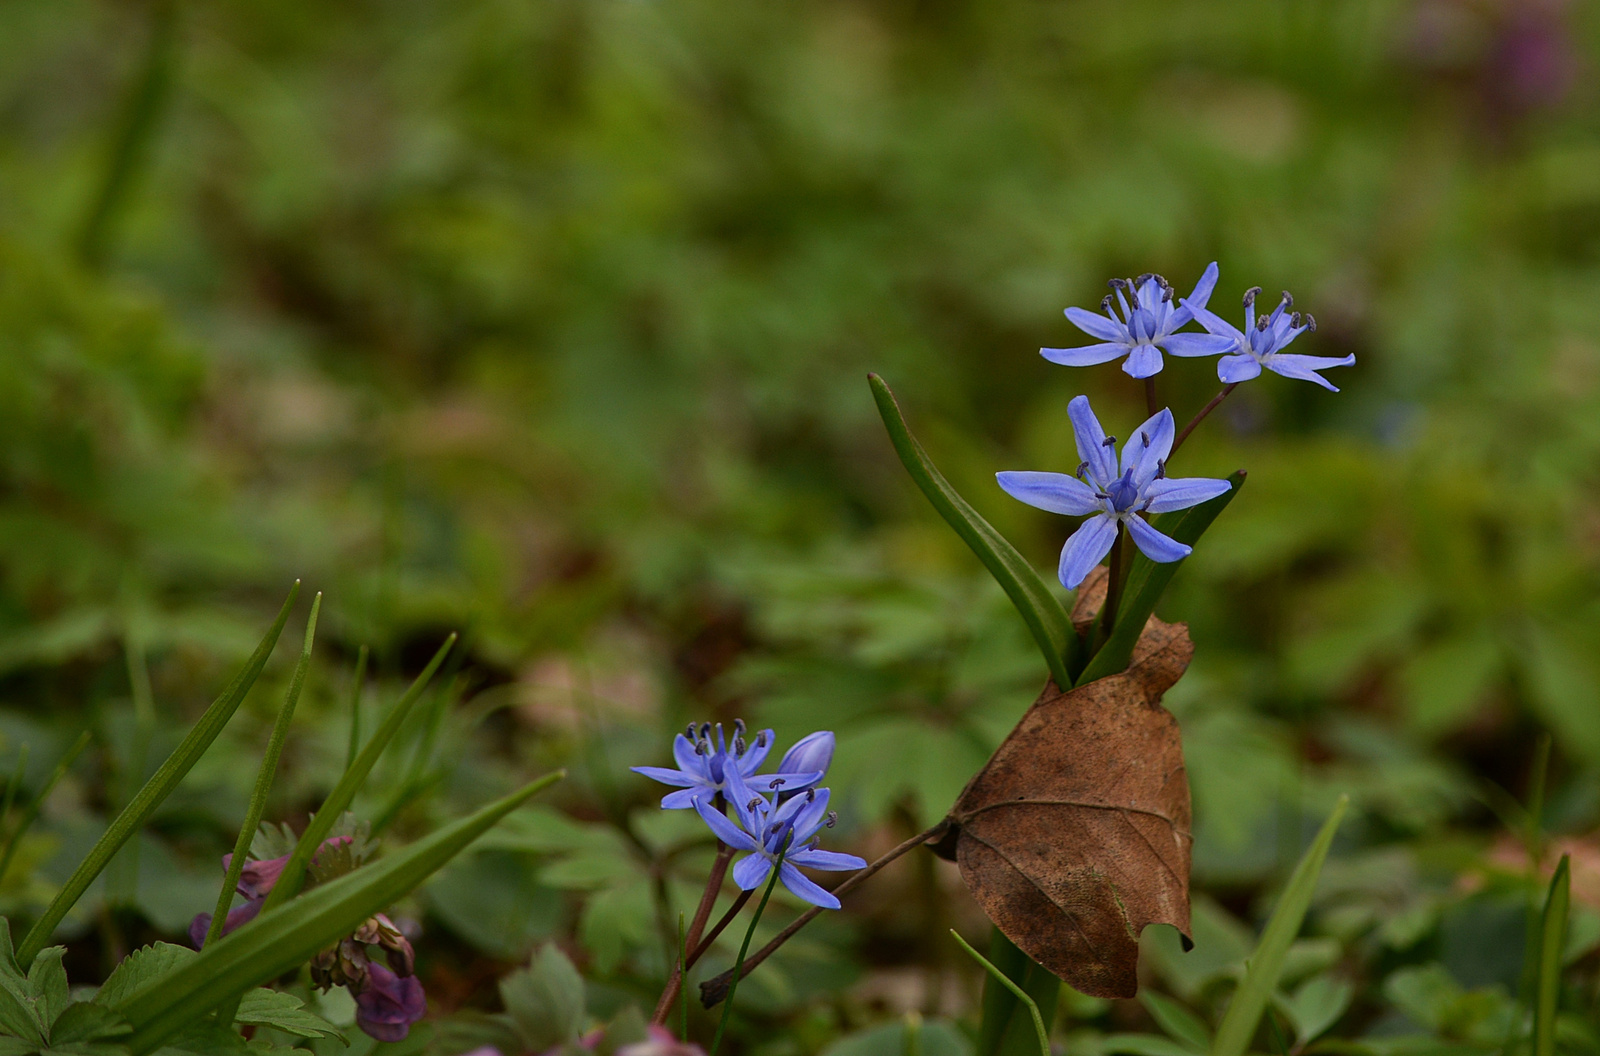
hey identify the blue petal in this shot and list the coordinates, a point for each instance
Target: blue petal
(1148, 447)
(1143, 362)
(1214, 323)
(1233, 369)
(1055, 492)
(810, 816)
(667, 777)
(1084, 549)
(756, 754)
(768, 784)
(1198, 344)
(1091, 440)
(1304, 368)
(814, 751)
(749, 806)
(829, 861)
(684, 798)
(751, 872)
(1181, 493)
(1101, 326)
(687, 759)
(1156, 547)
(725, 830)
(796, 882)
(1087, 356)
(1203, 288)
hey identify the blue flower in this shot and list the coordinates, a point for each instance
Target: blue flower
(1262, 340)
(1141, 487)
(766, 832)
(1147, 326)
(704, 766)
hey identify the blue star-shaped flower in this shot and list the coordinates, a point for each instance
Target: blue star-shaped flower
(1261, 343)
(1149, 319)
(1113, 498)
(789, 831)
(704, 765)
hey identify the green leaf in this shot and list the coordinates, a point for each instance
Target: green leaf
(205, 1039)
(280, 1011)
(85, 1021)
(48, 981)
(1180, 1024)
(1031, 595)
(13, 1046)
(294, 870)
(156, 790)
(1261, 973)
(545, 1000)
(1147, 581)
(140, 967)
(283, 938)
(1145, 1045)
(1316, 1006)
(1552, 930)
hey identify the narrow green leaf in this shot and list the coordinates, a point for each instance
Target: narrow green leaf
(1031, 595)
(269, 766)
(29, 816)
(356, 685)
(1147, 581)
(1006, 1028)
(84, 1021)
(285, 937)
(1261, 972)
(1552, 936)
(294, 871)
(1016, 991)
(156, 790)
(1181, 1025)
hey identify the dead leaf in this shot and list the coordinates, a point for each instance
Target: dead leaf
(1076, 834)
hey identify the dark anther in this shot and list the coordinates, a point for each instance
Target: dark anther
(1250, 295)
(1145, 437)
(778, 781)
(1117, 284)
(738, 746)
(1142, 279)
(832, 819)
(1261, 322)
(1288, 301)
(1108, 441)
(751, 806)
(700, 748)
(1167, 293)
(811, 795)
(705, 731)
(1161, 468)
(1105, 304)
(1081, 467)
(1294, 320)
(738, 727)
(1311, 322)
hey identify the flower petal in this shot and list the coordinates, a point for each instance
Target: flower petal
(750, 807)
(1233, 369)
(725, 830)
(675, 778)
(1214, 323)
(1182, 492)
(1086, 356)
(814, 751)
(1143, 362)
(756, 754)
(1203, 288)
(750, 872)
(830, 861)
(781, 783)
(684, 755)
(684, 798)
(1157, 547)
(1304, 368)
(796, 882)
(1148, 447)
(1091, 440)
(1198, 344)
(1055, 492)
(1101, 326)
(1084, 549)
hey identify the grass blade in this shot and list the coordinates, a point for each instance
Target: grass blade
(1552, 937)
(356, 685)
(269, 767)
(1261, 974)
(1031, 595)
(1020, 994)
(283, 938)
(1147, 581)
(294, 871)
(32, 813)
(157, 789)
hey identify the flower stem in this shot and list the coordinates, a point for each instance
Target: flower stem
(708, 899)
(1108, 613)
(1197, 419)
(716, 929)
(744, 948)
(714, 990)
(1150, 396)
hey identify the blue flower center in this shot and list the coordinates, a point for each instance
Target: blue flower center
(1122, 492)
(715, 766)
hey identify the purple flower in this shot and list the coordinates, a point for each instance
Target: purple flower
(237, 917)
(1261, 343)
(1147, 326)
(767, 832)
(256, 881)
(389, 1004)
(1142, 487)
(704, 766)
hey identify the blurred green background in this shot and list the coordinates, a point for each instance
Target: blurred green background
(549, 320)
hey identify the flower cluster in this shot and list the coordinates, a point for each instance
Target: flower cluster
(776, 818)
(388, 998)
(1116, 497)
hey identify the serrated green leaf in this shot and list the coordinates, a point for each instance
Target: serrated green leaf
(283, 938)
(86, 1021)
(13, 1046)
(155, 791)
(139, 968)
(280, 1011)
(545, 999)
(204, 1039)
(47, 979)
(1035, 602)
(1265, 966)
(1147, 581)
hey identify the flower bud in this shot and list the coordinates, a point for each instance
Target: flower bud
(389, 1004)
(810, 753)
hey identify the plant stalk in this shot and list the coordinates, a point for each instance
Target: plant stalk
(702, 913)
(1197, 419)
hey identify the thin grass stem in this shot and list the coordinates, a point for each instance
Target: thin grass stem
(744, 948)
(1010, 984)
(356, 685)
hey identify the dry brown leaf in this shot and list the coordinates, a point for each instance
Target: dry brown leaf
(1076, 834)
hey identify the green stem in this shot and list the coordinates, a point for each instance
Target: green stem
(744, 948)
(1197, 419)
(1119, 575)
(1010, 984)
(356, 685)
(32, 813)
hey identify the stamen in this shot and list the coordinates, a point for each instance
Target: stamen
(1311, 322)
(832, 819)
(1082, 466)
(811, 795)
(689, 732)
(751, 806)
(1288, 301)
(1161, 468)
(1145, 437)
(1105, 305)
(738, 746)
(777, 781)
(1108, 441)
(1250, 295)
(1261, 322)
(1167, 292)
(1142, 279)
(700, 747)
(705, 731)
(761, 739)
(738, 728)
(1294, 320)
